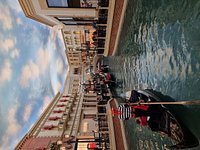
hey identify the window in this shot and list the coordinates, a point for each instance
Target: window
(65, 18)
(76, 70)
(89, 116)
(57, 3)
(65, 96)
(77, 81)
(77, 40)
(62, 18)
(67, 32)
(72, 3)
(88, 4)
(70, 49)
(77, 32)
(69, 23)
(85, 105)
(49, 127)
(58, 111)
(53, 118)
(68, 38)
(63, 100)
(60, 105)
(61, 122)
(83, 19)
(64, 3)
(89, 100)
(69, 43)
(75, 23)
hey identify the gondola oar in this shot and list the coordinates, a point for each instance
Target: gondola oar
(196, 102)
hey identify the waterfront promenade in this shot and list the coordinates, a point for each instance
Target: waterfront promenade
(117, 22)
(118, 138)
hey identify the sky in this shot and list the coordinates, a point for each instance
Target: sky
(33, 68)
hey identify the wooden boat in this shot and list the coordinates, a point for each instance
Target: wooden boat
(169, 123)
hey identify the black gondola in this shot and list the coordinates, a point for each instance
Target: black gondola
(169, 123)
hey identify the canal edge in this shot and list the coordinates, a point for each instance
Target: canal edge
(120, 27)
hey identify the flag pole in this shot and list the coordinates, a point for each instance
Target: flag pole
(194, 102)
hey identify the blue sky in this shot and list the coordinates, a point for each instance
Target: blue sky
(32, 70)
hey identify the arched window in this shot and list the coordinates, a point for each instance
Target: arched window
(49, 127)
(54, 118)
(77, 32)
(60, 105)
(62, 100)
(65, 96)
(58, 111)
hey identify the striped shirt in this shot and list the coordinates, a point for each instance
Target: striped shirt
(124, 112)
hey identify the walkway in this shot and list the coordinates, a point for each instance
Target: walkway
(119, 10)
(118, 140)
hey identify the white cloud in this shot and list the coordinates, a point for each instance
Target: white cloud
(12, 128)
(29, 72)
(14, 53)
(7, 44)
(5, 141)
(5, 17)
(14, 5)
(57, 87)
(43, 59)
(19, 21)
(13, 125)
(55, 32)
(46, 102)
(52, 39)
(33, 70)
(59, 66)
(27, 112)
(6, 71)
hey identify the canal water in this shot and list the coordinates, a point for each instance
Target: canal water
(159, 49)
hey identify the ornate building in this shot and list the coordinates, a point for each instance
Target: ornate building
(76, 17)
(71, 121)
(74, 119)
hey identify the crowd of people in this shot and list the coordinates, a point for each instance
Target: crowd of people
(98, 82)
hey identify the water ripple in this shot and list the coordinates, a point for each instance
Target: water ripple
(159, 49)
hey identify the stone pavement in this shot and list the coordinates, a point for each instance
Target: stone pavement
(118, 139)
(119, 10)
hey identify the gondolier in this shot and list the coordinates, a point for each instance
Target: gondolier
(126, 111)
(144, 115)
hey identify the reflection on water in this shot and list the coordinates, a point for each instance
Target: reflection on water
(160, 49)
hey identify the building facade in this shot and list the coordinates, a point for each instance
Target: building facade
(69, 122)
(84, 15)
(74, 119)
(54, 12)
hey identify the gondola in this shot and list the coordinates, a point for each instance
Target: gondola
(169, 123)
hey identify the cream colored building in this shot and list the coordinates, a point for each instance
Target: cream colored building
(55, 12)
(68, 14)
(71, 113)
